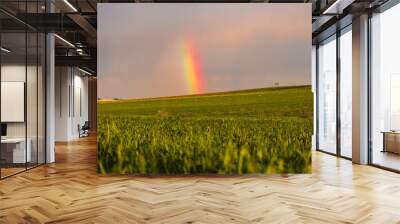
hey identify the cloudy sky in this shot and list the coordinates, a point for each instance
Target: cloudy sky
(141, 47)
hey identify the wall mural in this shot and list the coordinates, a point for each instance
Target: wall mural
(197, 88)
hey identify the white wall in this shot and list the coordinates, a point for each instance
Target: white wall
(80, 109)
(12, 73)
(33, 127)
(71, 94)
(62, 81)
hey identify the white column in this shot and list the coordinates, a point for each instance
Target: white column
(360, 90)
(50, 99)
(50, 92)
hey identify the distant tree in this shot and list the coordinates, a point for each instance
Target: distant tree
(276, 84)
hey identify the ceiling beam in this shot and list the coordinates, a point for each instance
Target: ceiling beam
(86, 27)
(78, 61)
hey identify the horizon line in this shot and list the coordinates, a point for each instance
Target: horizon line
(202, 94)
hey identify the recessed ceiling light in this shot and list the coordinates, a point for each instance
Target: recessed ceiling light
(70, 5)
(337, 6)
(5, 50)
(84, 71)
(64, 40)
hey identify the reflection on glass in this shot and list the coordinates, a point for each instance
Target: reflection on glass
(31, 101)
(327, 96)
(41, 99)
(385, 89)
(394, 102)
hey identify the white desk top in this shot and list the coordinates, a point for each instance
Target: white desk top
(13, 140)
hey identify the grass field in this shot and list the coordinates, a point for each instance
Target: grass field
(251, 131)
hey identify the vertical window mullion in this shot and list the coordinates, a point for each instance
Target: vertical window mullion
(369, 89)
(338, 80)
(26, 86)
(317, 96)
(37, 90)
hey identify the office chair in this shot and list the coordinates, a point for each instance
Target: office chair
(84, 130)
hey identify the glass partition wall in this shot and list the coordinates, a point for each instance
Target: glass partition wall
(345, 61)
(334, 95)
(334, 84)
(22, 98)
(327, 95)
(385, 89)
(13, 85)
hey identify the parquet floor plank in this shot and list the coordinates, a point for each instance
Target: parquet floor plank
(70, 191)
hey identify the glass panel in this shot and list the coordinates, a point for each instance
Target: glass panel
(41, 98)
(327, 96)
(346, 93)
(385, 89)
(13, 86)
(31, 88)
(23, 90)
(31, 98)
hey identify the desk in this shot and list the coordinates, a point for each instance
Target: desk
(16, 147)
(391, 141)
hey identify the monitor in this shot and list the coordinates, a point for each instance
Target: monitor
(3, 129)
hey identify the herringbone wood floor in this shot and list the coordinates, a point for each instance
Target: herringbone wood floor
(70, 191)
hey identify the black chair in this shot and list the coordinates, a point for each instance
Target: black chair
(84, 130)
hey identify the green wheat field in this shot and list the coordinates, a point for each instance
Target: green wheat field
(250, 131)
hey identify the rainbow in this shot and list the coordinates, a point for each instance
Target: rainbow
(192, 71)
